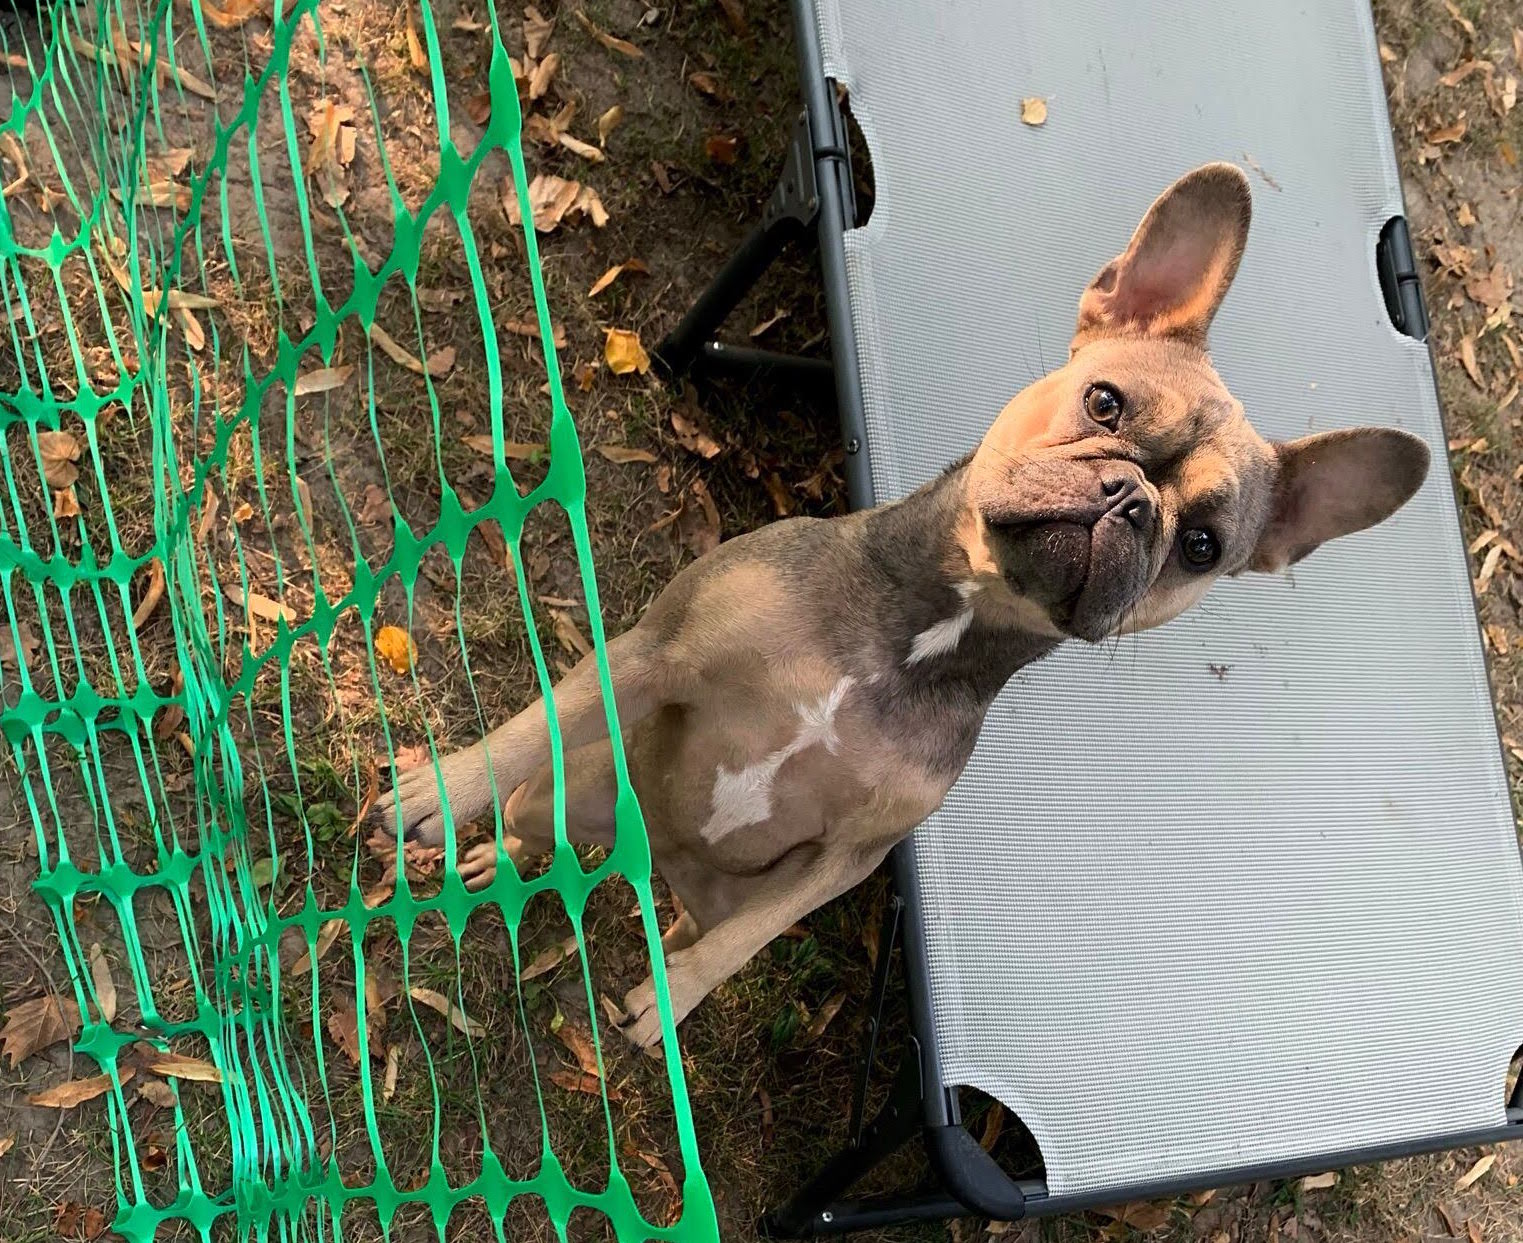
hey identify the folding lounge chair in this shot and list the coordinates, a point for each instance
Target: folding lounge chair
(1242, 897)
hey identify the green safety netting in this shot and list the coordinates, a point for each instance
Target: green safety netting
(178, 332)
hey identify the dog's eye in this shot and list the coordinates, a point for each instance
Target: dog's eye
(1103, 404)
(1199, 548)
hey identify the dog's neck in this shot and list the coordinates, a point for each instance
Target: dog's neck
(936, 630)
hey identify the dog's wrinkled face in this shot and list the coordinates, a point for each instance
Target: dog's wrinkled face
(1110, 494)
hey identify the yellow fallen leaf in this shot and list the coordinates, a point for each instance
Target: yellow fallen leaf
(415, 53)
(577, 147)
(395, 646)
(459, 1019)
(1476, 1172)
(178, 1066)
(1319, 1182)
(613, 274)
(623, 352)
(1034, 110)
(608, 122)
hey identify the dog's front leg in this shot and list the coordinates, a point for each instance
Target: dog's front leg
(802, 880)
(479, 776)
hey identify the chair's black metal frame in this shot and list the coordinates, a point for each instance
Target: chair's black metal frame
(815, 194)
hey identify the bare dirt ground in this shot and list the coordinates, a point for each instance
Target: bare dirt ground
(705, 109)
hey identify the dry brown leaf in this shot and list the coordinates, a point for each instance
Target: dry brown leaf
(782, 499)
(234, 15)
(1476, 1172)
(544, 74)
(331, 144)
(579, 1081)
(608, 122)
(66, 504)
(322, 380)
(178, 1066)
(530, 328)
(701, 532)
(537, 32)
(590, 205)
(514, 450)
(568, 635)
(59, 451)
(375, 507)
(156, 1092)
(1460, 19)
(151, 596)
(1465, 216)
(768, 324)
(416, 56)
(623, 352)
(824, 1016)
(80, 1221)
(1517, 47)
(261, 606)
(479, 108)
(550, 198)
(722, 148)
(612, 42)
(1473, 1231)
(1143, 1215)
(326, 936)
(77, 1091)
(994, 1124)
(576, 146)
(1319, 1182)
(393, 1065)
(622, 455)
(1463, 70)
(395, 646)
(709, 85)
(1388, 54)
(580, 1044)
(440, 1004)
(693, 438)
(1033, 110)
(440, 363)
(1449, 133)
(1468, 361)
(344, 1027)
(1507, 99)
(36, 1024)
(101, 981)
(549, 958)
(195, 335)
(735, 15)
(613, 274)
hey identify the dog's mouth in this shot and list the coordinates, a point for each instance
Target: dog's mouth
(1086, 577)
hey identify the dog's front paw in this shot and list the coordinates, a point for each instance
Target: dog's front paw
(416, 795)
(641, 1023)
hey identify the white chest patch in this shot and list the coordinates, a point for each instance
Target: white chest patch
(744, 796)
(945, 635)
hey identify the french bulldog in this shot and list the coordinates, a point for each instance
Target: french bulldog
(798, 700)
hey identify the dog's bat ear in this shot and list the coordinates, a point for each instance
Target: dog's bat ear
(1335, 484)
(1173, 275)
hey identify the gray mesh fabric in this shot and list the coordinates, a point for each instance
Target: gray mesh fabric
(1245, 889)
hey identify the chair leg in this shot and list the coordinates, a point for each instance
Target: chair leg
(816, 1207)
(789, 214)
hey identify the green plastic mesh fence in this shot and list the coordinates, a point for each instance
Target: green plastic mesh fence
(191, 386)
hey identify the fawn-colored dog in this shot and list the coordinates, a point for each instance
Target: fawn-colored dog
(798, 700)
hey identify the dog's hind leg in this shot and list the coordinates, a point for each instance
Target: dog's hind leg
(471, 780)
